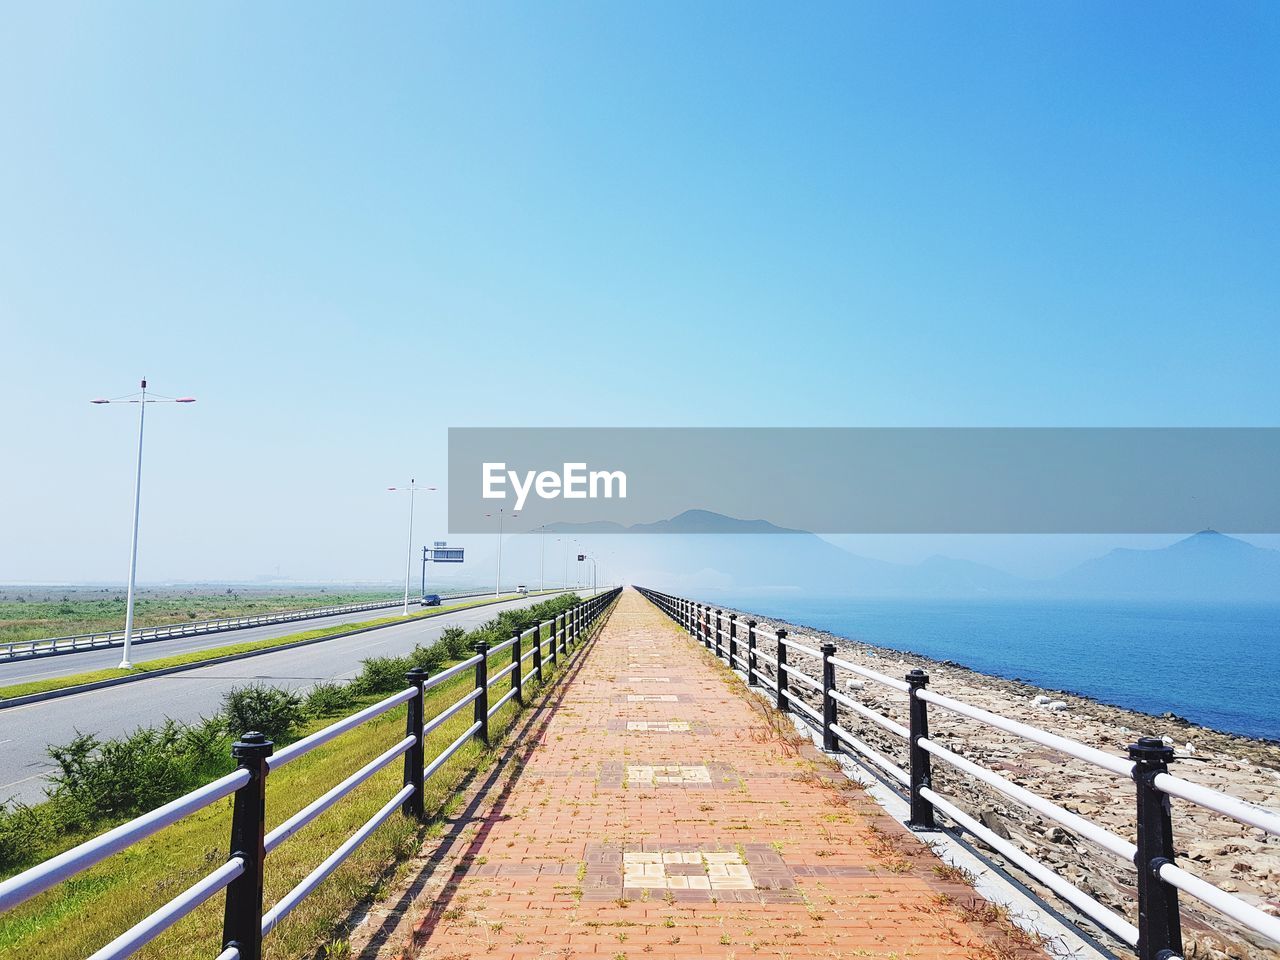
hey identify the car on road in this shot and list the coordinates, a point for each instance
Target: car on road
(431, 600)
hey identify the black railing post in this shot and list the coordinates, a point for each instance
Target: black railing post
(751, 653)
(828, 701)
(555, 638)
(415, 756)
(242, 916)
(921, 770)
(781, 675)
(537, 652)
(1159, 926)
(482, 685)
(733, 639)
(517, 681)
(718, 654)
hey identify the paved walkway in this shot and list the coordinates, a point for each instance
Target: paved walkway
(664, 811)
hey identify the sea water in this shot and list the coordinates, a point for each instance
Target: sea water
(1218, 665)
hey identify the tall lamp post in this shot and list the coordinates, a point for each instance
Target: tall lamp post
(542, 560)
(497, 580)
(141, 399)
(412, 489)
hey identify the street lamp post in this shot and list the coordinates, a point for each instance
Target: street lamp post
(412, 489)
(141, 399)
(497, 580)
(542, 561)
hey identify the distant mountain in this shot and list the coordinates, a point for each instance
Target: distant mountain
(1205, 566)
(691, 521)
(690, 552)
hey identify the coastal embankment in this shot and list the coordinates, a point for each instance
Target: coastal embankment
(1237, 858)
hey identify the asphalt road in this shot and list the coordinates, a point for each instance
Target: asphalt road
(27, 731)
(43, 668)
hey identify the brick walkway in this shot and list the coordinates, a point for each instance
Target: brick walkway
(664, 811)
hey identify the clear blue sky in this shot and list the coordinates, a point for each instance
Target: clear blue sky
(346, 227)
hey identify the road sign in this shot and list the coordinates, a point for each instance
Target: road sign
(438, 552)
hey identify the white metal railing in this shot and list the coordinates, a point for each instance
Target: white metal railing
(161, 920)
(241, 875)
(55, 870)
(1146, 766)
(326, 800)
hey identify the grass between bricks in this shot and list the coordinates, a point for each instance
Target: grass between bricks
(78, 917)
(199, 656)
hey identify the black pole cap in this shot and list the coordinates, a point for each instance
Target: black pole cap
(1150, 750)
(251, 744)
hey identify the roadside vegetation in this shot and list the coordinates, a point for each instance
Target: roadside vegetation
(101, 783)
(199, 656)
(34, 613)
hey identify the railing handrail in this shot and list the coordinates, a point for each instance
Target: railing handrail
(308, 743)
(1146, 766)
(247, 784)
(53, 871)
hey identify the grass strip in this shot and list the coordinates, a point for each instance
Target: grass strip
(231, 649)
(75, 919)
(38, 613)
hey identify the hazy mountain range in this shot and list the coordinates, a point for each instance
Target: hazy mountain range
(688, 552)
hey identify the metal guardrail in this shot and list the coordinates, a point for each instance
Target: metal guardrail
(52, 646)
(1157, 933)
(245, 923)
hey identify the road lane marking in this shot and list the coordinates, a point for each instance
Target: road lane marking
(14, 783)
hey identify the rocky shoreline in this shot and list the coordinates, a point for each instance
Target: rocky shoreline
(1240, 859)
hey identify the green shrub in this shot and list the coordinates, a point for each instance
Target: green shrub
(127, 775)
(432, 658)
(381, 674)
(454, 643)
(329, 699)
(22, 830)
(272, 711)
